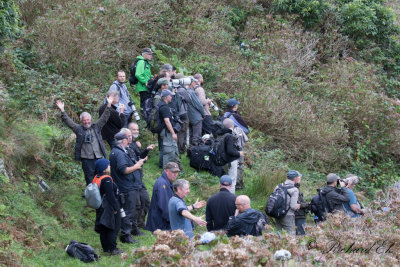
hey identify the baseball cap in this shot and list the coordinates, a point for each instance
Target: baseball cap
(147, 50)
(120, 136)
(232, 102)
(172, 166)
(225, 180)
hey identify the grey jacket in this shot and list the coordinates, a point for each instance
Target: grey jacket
(195, 108)
(293, 195)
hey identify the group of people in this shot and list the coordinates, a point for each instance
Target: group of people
(119, 174)
(182, 108)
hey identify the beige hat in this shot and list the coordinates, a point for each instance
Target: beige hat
(172, 166)
(352, 178)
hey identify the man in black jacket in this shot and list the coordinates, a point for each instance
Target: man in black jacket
(116, 120)
(335, 197)
(125, 173)
(300, 214)
(246, 219)
(89, 144)
(220, 206)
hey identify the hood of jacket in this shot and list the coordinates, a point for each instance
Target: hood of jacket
(327, 189)
(223, 131)
(249, 216)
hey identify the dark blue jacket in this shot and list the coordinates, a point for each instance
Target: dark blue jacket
(158, 217)
(119, 161)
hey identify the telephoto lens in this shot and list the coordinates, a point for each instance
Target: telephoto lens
(214, 106)
(122, 213)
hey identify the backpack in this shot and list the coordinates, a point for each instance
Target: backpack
(152, 86)
(132, 73)
(319, 206)
(261, 223)
(200, 157)
(277, 201)
(147, 109)
(218, 150)
(155, 124)
(82, 251)
(92, 192)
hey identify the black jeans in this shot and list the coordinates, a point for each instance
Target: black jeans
(129, 206)
(142, 207)
(88, 167)
(143, 96)
(108, 237)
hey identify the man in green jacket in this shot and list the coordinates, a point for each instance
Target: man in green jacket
(143, 74)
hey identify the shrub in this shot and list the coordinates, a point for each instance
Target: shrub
(9, 22)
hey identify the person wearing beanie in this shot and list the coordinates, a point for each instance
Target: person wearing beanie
(335, 197)
(108, 216)
(220, 206)
(288, 222)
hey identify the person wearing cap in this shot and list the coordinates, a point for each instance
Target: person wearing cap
(125, 172)
(158, 217)
(196, 114)
(163, 84)
(124, 98)
(335, 197)
(288, 222)
(143, 74)
(232, 105)
(89, 143)
(180, 215)
(108, 216)
(220, 206)
(245, 220)
(167, 137)
(353, 207)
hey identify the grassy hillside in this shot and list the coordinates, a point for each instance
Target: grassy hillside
(318, 90)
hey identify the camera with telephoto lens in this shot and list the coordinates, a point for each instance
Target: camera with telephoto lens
(132, 105)
(215, 107)
(180, 82)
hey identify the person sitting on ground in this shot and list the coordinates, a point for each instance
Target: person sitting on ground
(108, 216)
(89, 144)
(179, 214)
(288, 221)
(353, 207)
(232, 114)
(246, 221)
(220, 206)
(335, 197)
(116, 120)
(158, 217)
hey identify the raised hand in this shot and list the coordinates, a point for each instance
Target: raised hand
(200, 221)
(110, 99)
(199, 205)
(60, 105)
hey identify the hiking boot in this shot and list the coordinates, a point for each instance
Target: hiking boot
(116, 251)
(138, 233)
(128, 240)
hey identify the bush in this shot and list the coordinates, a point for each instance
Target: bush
(10, 27)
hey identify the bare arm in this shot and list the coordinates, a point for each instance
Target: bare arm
(198, 220)
(356, 209)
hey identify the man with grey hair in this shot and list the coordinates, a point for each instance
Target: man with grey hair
(116, 120)
(89, 144)
(179, 212)
(124, 98)
(353, 207)
(230, 154)
(195, 113)
(125, 173)
(143, 74)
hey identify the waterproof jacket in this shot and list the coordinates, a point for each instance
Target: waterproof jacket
(119, 161)
(244, 223)
(237, 119)
(79, 130)
(158, 217)
(105, 213)
(195, 108)
(231, 151)
(143, 73)
(114, 123)
(335, 197)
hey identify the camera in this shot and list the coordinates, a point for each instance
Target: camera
(215, 107)
(343, 181)
(180, 82)
(135, 113)
(88, 138)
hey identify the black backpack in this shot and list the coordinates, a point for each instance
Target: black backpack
(132, 71)
(319, 206)
(155, 124)
(82, 251)
(277, 201)
(218, 151)
(148, 107)
(152, 86)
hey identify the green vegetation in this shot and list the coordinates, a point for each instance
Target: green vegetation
(318, 82)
